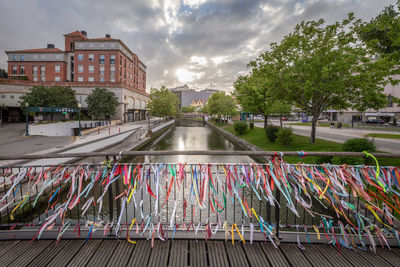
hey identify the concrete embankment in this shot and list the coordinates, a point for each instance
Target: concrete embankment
(239, 142)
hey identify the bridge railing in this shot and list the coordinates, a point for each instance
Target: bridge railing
(162, 197)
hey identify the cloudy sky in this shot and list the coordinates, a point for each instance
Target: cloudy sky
(194, 42)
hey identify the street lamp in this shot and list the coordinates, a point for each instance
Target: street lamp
(26, 121)
(79, 118)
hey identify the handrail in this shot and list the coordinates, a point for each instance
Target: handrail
(199, 152)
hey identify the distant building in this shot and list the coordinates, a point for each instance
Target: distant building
(186, 96)
(85, 63)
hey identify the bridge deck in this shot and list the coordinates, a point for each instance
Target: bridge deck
(184, 253)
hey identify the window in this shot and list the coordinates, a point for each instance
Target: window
(42, 70)
(14, 58)
(112, 70)
(57, 78)
(112, 79)
(112, 59)
(91, 69)
(80, 79)
(101, 70)
(101, 79)
(14, 70)
(80, 57)
(125, 63)
(22, 70)
(390, 101)
(120, 60)
(91, 79)
(102, 59)
(91, 57)
(57, 68)
(34, 70)
(35, 79)
(43, 79)
(80, 68)
(21, 57)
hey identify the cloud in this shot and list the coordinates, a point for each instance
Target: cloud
(198, 42)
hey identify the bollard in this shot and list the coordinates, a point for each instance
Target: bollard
(109, 130)
(98, 130)
(119, 130)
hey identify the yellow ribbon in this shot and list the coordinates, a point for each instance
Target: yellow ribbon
(326, 188)
(127, 234)
(377, 169)
(233, 238)
(316, 230)
(16, 207)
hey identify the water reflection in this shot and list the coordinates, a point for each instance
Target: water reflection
(189, 136)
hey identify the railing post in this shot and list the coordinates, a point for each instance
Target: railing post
(277, 212)
(118, 203)
(110, 201)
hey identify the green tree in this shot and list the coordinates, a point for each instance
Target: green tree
(220, 104)
(102, 103)
(188, 109)
(322, 66)
(52, 96)
(163, 103)
(255, 93)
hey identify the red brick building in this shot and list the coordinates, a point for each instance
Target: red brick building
(84, 64)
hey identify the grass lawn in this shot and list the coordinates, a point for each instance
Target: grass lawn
(257, 137)
(381, 135)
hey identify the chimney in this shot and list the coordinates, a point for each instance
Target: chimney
(84, 33)
(108, 35)
(51, 46)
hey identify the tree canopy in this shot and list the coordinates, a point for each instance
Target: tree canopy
(102, 103)
(163, 103)
(221, 104)
(188, 109)
(52, 96)
(320, 66)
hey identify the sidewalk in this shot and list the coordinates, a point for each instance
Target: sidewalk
(89, 143)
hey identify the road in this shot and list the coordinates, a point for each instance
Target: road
(343, 134)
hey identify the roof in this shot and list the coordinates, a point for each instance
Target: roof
(75, 33)
(41, 50)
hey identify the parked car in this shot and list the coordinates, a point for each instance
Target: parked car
(284, 119)
(374, 121)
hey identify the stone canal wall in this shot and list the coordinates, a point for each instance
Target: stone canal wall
(239, 142)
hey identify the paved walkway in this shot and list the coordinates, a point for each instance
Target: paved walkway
(89, 143)
(343, 134)
(99, 252)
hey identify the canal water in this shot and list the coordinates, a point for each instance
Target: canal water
(192, 135)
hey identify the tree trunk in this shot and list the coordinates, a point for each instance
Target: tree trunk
(314, 127)
(265, 122)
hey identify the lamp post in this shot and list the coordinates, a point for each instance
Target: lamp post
(27, 118)
(79, 118)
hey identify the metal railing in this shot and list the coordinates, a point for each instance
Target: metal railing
(45, 188)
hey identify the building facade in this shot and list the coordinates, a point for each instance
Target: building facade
(84, 64)
(189, 97)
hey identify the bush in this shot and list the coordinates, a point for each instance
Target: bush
(240, 127)
(356, 145)
(271, 132)
(251, 124)
(359, 145)
(285, 136)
